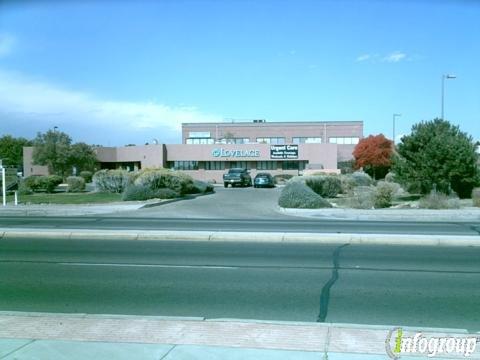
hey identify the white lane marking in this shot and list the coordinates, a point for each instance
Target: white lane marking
(152, 266)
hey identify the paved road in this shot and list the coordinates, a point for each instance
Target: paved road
(355, 284)
(251, 225)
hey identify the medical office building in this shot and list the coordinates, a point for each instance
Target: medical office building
(208, 150)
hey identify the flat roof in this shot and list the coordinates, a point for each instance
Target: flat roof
(275, 123)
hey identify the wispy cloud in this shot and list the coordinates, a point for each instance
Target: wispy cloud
(44, 103)
(395, 56)
(7, 42)
(364, 57)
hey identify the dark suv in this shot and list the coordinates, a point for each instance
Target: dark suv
(237, 176)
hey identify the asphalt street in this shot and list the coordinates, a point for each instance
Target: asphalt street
(247, 225)
(389, 285)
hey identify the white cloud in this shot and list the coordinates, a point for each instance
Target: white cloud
(7, 42)
(395, 56)
(363, 57)
(42, 102)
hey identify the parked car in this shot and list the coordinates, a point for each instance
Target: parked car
(237, 176)
(263, 180)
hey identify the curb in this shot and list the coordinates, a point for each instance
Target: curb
(237, 333)
(223, 236)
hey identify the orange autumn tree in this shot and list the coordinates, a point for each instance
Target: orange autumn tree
(373, 154)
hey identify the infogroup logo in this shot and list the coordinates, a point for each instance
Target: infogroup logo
(397, 344)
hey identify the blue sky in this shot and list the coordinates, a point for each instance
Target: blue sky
(118, 72)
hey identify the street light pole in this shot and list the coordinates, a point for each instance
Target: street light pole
(394, 117)
(445, 77)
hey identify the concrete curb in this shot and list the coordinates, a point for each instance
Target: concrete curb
(425, 215)
(240, 333)
(223, 236)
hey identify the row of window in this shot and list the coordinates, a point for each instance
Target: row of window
(221, 165)
(344, 140)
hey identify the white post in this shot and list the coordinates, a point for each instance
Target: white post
(4, 188)
(16, 197)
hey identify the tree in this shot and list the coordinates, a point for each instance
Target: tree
(55, 150)
(374, 154)
(11, 150)
(437, 155)
(82, 157)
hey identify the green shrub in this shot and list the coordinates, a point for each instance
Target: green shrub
(75, 184)
(298, 195)
(87, 176)
(351, 181)
(476, 197)
(164, 178)
(51, 182)
(42, 183)
(142, 192)
(137, 193)
(325, 186)
(112, 181)
(363, 197)
(390, 177)
(384, 193)
(200, 187)
(23, 189)
(346, 167)
(166, 194)
(282, 178)
(438, 200)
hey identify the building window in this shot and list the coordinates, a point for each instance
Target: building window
(306, 140)
(266, 165)
(214, 165)
(183, 165)
(198, 141)
(294, 165)
(271, 140)
(241, 164)
(345, 140)
(234, 141)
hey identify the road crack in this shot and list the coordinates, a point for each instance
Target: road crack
(325, 295)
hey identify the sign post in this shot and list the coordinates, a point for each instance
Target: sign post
(4, 186)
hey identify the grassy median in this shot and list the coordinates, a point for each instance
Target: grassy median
(67, 198)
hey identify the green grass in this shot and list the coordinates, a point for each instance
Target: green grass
(67, 198)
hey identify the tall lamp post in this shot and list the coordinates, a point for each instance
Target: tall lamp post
(394, 117)
(54, 148)
(445, 77)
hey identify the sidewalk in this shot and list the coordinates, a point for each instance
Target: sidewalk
(465, 214)
(71, 336)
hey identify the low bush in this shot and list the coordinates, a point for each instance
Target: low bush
(390, 177)
(23, 189)
(325, 186)
(363, 197)
(113, 181)
(164, 178)
(384, 193)
(200, 187)
(438, 200)
(142, 192)
(166, 194)
(42, 183)
(282, 178)
(87, 176)
(298, 195)
(476, 197)
(137, 193)
(351, 181)
(75, 184)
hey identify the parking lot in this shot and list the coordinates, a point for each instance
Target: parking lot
(230, 203)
